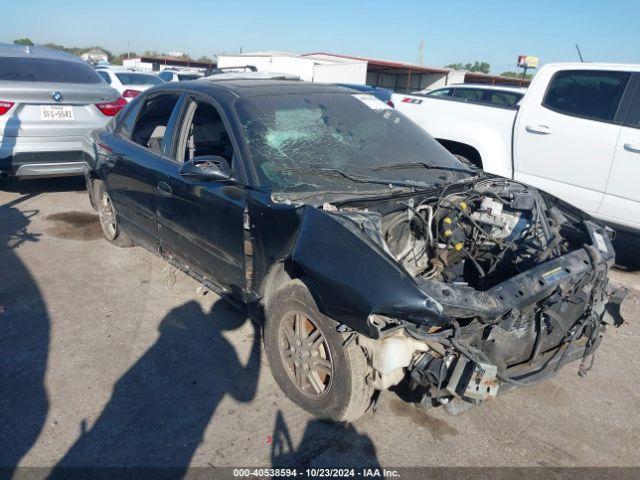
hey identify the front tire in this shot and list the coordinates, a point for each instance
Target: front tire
(308, 359)
(109, 221)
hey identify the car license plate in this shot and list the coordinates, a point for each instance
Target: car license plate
(56, 112)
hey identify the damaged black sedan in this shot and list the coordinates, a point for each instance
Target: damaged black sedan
(378, 258)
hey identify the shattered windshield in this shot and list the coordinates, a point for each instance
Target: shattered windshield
(338, 141)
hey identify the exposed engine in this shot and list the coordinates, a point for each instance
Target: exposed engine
(478, 237)
(521, 280)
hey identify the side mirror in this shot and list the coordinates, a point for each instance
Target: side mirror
(207, 167)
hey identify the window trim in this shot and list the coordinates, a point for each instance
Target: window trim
(176, 112)
(623, 99)
(136, 104)
(448, 95)
(106, 74)
(238, 166)
(481, 103)
(633, 100)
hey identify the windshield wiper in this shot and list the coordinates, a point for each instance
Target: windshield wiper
(398, 166)
(352, 177)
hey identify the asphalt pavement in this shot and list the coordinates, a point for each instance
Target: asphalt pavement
(111, 357)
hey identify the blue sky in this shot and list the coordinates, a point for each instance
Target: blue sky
(495, 31)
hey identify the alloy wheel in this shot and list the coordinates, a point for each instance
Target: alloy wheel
(108, 219)
(305, 354)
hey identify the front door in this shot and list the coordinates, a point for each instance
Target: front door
(565, 138)
(201, 222)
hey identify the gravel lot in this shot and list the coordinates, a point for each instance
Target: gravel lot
(110, 357)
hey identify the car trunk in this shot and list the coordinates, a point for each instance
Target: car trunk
(37, 114)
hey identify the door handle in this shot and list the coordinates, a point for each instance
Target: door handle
(164, 189)
(539, 129)
(632, 147)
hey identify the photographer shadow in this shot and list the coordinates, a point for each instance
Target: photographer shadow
(24, 342)
(160, 408)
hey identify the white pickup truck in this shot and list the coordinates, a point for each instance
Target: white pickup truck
(575, 134)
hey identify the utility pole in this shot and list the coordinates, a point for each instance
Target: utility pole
(579, 53)
(420, 52)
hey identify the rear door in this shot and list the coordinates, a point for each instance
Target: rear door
(565, 137)
(201, 222)
(621, 203)
(138, 152)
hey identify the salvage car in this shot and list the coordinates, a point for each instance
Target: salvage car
(379, 259)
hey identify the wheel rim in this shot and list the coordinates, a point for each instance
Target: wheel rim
(108, 217)
(306, 355)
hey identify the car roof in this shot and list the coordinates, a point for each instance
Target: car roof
(622, 67)
(35, 51)
(483, 86)
(216, 77)
(256, 87)
(122, 70)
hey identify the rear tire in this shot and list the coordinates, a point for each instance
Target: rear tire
(109, 221)
(308, 359)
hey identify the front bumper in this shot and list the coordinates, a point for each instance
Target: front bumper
(522, 330)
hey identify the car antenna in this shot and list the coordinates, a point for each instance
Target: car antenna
(579, 53)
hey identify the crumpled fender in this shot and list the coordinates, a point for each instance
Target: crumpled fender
(351, 277)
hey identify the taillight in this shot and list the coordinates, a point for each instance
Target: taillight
(112, 108)
(131, 93)
(390, 103)
(5, 107)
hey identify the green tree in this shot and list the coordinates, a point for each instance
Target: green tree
(23, 41)
(516, 75)
(482, 67)
(455, 66)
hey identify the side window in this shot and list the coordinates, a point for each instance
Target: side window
(105, 76)
(469, 94)
(505, 99)
(166, 76)
(440, 93)
(152, 122)
(126, 124)
(205, 134)
(585, 93)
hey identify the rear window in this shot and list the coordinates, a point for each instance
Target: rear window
(183, 77)
(505, 99)
(440, 93)
(23, 69)
(138, 79)
(589, 94)
(469, 94)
